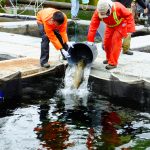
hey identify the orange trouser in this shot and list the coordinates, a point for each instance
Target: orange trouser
(112, 45)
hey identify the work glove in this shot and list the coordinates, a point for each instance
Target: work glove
(65, 53)
(70, 44)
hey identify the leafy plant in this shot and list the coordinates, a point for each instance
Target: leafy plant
(2, 2)
(141, 145)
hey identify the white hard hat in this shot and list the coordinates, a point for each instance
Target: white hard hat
(104, 5)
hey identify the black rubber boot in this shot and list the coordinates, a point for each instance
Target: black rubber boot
(128, 53)
(46, 65)
(108, 67)
(105, 62)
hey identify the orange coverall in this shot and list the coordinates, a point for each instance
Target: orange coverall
(43, 17)
(114, 33)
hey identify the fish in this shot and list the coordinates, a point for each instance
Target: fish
(79, 73)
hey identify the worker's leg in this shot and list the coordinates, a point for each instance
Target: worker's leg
(74, 8)
(126, 43)
(116, 44)
(133, 10)
(44, 46)
(108, 42)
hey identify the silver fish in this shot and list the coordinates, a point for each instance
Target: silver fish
(79, 73)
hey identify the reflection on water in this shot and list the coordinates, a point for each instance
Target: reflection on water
(44, 122)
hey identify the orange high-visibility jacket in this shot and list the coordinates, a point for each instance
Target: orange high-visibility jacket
(43, 17)
(121, 12)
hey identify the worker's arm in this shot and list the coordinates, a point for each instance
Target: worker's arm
(52, 37)
(127, 16)
(95, 22)
(63, 31)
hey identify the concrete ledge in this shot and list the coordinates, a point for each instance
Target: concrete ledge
(16, 71)
(26, 66)
(10, 85)
(130, 80)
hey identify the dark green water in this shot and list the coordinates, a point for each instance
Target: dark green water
(43, 119)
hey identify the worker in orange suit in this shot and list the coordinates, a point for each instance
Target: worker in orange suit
(119, 23)
(52, 24)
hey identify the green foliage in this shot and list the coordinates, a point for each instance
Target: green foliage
(85, 15)
(125, 117)
(2, 11)
(141, 145)
(125, 139)
(2, 2)
(27, 12)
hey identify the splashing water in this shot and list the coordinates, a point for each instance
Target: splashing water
(78, 96)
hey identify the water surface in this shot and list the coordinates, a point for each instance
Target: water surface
(45, 119)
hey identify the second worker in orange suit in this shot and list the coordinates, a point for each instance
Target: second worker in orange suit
(52, 24)
(119, 23)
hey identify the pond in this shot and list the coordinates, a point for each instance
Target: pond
(44, 119)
